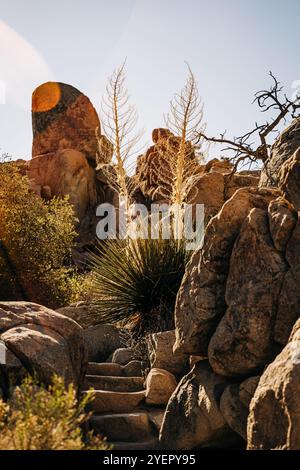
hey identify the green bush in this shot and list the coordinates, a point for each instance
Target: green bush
(37, 418)
(135, 282)
(36, 242)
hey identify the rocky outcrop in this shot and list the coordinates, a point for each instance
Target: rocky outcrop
(193, 417)
(282, 150)
(274, 420)
(238, 302)
(67, 147)
(239, 297)
(243, 341)
(211, 184)
(154, 168)
(201, 301)
(71, 157)
(63, 118)
(42, 341)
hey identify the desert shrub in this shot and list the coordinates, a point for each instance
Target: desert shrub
(135, 282)
(36, 241)
(37, 418)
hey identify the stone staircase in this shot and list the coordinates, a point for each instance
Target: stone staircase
(120, 411)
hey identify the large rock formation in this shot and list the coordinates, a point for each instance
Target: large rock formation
(243, 340)
(210, 184)
(237, 305)
(274, 419)
(63, 118)
(201, 301)
(42, 341)
(67, 147)
(239, 297)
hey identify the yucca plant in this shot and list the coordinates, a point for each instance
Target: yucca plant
(135, 282)
(119, 120)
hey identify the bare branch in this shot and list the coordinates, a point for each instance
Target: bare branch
(245, 150)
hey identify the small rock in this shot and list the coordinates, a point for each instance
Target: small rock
(86, 314)
(66, 173)
(233, 410)
(160, 385)
(208, 189)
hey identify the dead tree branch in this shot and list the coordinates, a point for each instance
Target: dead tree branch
(244, 148)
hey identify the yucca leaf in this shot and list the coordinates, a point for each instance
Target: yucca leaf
(138, 280)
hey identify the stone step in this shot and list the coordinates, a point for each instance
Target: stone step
(114, 384)
(117, 402)
(126, 427)
(132, 369)
(152, 444)
(104, 368)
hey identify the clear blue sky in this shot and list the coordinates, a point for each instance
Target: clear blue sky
(231, 45)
